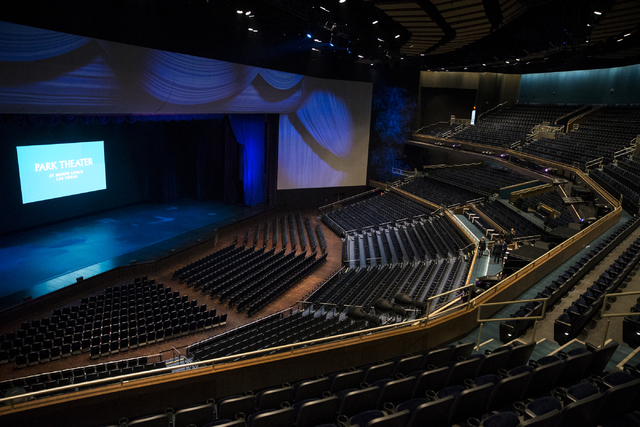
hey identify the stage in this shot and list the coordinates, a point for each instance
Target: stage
(42, 260)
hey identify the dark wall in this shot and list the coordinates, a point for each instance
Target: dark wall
(439, 104)
(160, 161)
(310, 198)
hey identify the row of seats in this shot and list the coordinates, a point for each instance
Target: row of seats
(445, 386)
(508, 125)
(438, 192)
(581, 312)
(551, 199)
(508, 219)
(630, 199)
(512, 329)
(122, 318)
(631, 327)
(51, 380)
(380, 208)
(486, 178)
(274, 330)
(607, 131)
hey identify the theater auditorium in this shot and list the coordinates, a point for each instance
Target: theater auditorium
(373, 213)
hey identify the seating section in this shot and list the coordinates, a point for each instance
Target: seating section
(364, 286)
(512, 329)
(486, 178)
(372, 211)
(274, 330)
(249, 279)
(441, 387)
(440, 193)
(439, 130)
(574, 319)
(631, 327)
(607, 131)
(507, 218)
(50, 380)
(620, 183)
(122, 318)
(511, 124)
(551, 199)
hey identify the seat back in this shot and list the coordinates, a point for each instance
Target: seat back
(433, 414)
(279, 418)
(431, 380)
(409, 364)
(573, 369)
(378, 372)
(316, 412)
(508, 390)
(396, 391)
(398, 419)
(273, 398)
(312, 388)
(345, 380)
(357, 401)
(198, 415)
(583, 412)
(470, 403)
(543, 378)
(228, 408)
(462, 351)
(519, 355)
(463, 370)
(437, 357)
(600, 359)
(550, 419)
(619, 400)
(494, 361)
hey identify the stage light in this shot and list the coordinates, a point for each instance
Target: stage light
(239, 12)
(342, 1)
(627, 35)
(619, 40)
(380, 39)
(248, 13)
(375, 22)
(506, 62)
(484, 65)
(597, 12)
(325, 9)
(317, 50)
(360, 56)
(317, 40)
(397, 36)
(250, 29)
(309, 35)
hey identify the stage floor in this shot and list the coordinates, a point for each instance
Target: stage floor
(42, 260)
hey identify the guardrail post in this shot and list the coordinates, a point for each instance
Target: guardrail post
(535, 326)
(479, 333)
(606, 331)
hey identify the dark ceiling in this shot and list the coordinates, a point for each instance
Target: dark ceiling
(337, 39)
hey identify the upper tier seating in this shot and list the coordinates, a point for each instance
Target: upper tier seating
(607, 131)
(487, 179)
(439, 192)
(508, 125)
(375, 210)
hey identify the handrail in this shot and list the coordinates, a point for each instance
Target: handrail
(593, 163)
(428, 126)
(368, 192)
(490, 110)
(502, 319)
(624, 152)
(290, 347)
(610, 315)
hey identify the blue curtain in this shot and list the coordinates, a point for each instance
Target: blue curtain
(249, 132)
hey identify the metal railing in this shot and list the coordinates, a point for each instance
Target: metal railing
(490, 110)
(593, 163)
(504, 319)
(624, 152)
(610, 315)
(290, 348)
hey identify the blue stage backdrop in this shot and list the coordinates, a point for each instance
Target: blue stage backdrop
(324, 127)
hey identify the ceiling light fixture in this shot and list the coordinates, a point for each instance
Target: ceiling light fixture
(317, 50)
(627, 35)
(397, 36)
(309, 35)
(325, 9)
(597, 12)
(360, 56)
(239, 12)
(342, 1)
(248, 13)
(317, 40)
(375, 22)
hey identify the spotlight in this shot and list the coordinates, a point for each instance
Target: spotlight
(374, 22)
(248, 13)
(317, 50)
(239, 12)
(627, 35)
(360, 56)
(317, 40)
(342, 1)
(309, 35)
(596, 12)
(325, 9)
(397, 36)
